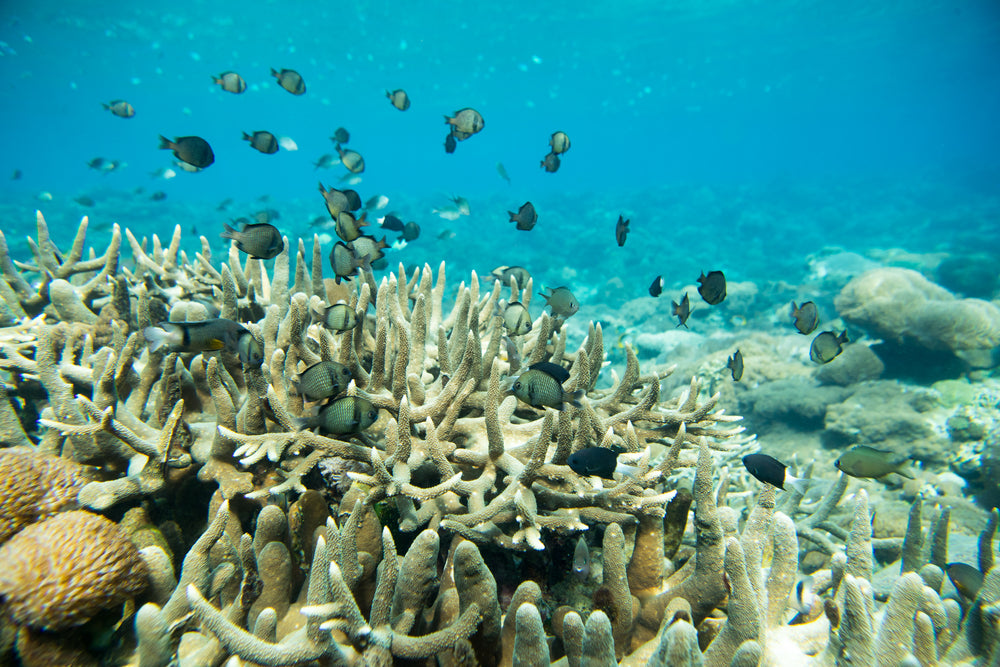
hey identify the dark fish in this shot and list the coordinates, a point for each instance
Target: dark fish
(682, 310)
(350, 414)
(505, 273)
(224, 204)
(465, 122)
(16, 175)
(771, 471)
(352, 160)
(325, 379)
(806, 317)
(399, 99)
(336, 200)
(450, 143)
(84, 200)
(621, 230)
(345, 264)
(735, 364)
(392, 223)
(340, 136)
(159, 195)
(712, 287)
(105, 165)
(120, 108)
(290, 80)
(966, 579)
(503, 172)
(562, 301)
(597, 461)
(367, 247)
(541, 385)
(260, 241)
(656, 287)
(581, 559)
(551, 163)
(340, 317)
(194, 151)
(559, 141)
(516, 318)
(411, 231)
(353, 200)
(526, 217)
(325, 161)
(348, 227)
(214, 334)
(826, 346)
(231, 82)
(446, 235)
(864, 461)
(263, 141)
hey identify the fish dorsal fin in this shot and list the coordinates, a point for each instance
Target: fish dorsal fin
(556, 371)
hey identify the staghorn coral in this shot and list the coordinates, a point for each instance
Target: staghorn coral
(61, 571)
(452, 457)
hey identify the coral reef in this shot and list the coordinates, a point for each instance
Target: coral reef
(443, 531)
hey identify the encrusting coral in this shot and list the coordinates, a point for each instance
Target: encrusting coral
(468, 482)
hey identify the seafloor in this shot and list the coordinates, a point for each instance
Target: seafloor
(171, 507)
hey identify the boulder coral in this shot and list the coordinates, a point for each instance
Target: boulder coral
(902, 306)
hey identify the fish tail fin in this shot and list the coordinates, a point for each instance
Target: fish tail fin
(230, 233)
(159, 336)
(447, 120)
(842, 338)
(573, 398)
(165, 143)
(904, 471)
(513, 216)
(106, 106)
(216, 80)
(247, 137)
(275, 73)
(800, 485)
(363, 221)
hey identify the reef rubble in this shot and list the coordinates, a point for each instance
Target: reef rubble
(442, 533)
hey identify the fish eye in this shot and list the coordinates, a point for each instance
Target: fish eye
(517, 385)
(372, 415)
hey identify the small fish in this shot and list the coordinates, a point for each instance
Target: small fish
(864, 461)
(450, 143)
(735, 364)
(340, 317)
(712, 287)
(344, 262)
(503, 172)
(392, 223)
(349, 414)
(399, 99)
(193, 151)
(770, 470)
(581, 559)
(516, 318)
(351, 159)
(340, 136)
(826, 346)
(44, 196)
(120, 108)
(621, 230)
(806, 317)
(803, 600)
(104, 165)
(448, 213)
(206, 335)
(562, 301)
(505, 273)
(290, 80)
(411, 231)
(325, 379)
(559, 141)
(84, 200)
(367, 247)
(465, 122)
(260, 241)
(348, 227)
(16, 175)
(513, 354)
(551, 163)
(656, 287)
(446, 235)
(526, 217)
(159, 195)
(541, 385)
(462, 204)
(682, 310)
(231, 82)
(266, 215)
(288, 143)
(166, 173)
(594, 461)
(263, 141)
(966, 579)
(325, 161)
(376, 203)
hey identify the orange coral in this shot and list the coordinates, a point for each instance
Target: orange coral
(60, 572)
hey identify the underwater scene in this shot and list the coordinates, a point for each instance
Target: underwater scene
(505, 334)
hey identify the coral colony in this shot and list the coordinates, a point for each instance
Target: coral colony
(189, 505)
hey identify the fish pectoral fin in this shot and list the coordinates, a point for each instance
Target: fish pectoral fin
(214, 344)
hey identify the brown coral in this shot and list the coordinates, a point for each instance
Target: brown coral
(60, 572)
(34, 487)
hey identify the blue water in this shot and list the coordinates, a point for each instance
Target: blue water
(744, 134)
